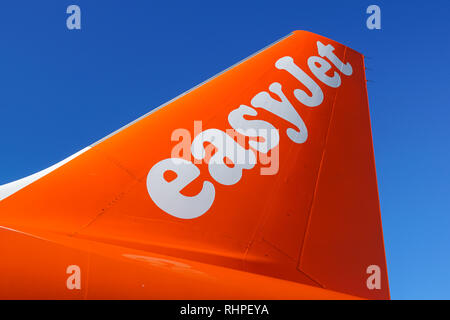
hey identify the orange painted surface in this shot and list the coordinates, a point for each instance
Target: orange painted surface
(307, 232)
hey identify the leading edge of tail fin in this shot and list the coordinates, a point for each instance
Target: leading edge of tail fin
(268, 168)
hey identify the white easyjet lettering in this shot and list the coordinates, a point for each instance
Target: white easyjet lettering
(226, 148)
(254, 128)
(328, 51)
(167, 196)
(283, 109)
(287, 63)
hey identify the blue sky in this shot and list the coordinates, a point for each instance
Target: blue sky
(62, 90)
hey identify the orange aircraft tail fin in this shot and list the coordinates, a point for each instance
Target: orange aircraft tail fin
(267, 168)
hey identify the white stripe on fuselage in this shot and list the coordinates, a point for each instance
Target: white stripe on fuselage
(10, 188)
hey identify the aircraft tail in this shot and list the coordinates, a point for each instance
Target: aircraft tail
(267, 168)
